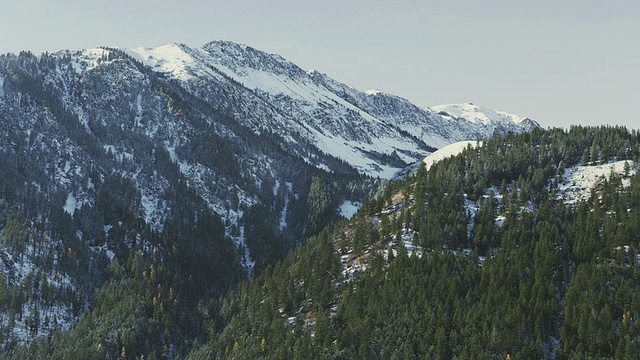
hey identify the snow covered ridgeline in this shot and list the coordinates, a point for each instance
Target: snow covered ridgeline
(362, 128)
(479, 115)
(312, 111)
(307, 109)
(448, 151)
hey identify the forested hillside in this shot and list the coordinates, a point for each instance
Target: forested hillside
(111, 174)
(199, 166)
(482, 256)
(142, 189)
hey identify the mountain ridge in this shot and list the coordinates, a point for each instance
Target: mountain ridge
(213, 165)
(254, 69)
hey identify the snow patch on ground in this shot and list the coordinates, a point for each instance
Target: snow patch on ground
(152, 187)
(349, 208)
(152, 214)
(63, 173)
(172, 153)
(1, 86)
(105, 248)
(83, 117)
(283, 215)
(138, 109)
(448, 151)
(119, 155)
(71, 204)
(407, 238)
(246, 260)
(581, 179)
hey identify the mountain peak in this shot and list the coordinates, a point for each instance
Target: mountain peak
(478, 114)
(475, 113)
(173, 58)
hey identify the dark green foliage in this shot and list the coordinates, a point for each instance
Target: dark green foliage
(261, 308)
(110, 151)
(546, 273)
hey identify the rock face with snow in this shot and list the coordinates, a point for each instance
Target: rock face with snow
(374, 132)
(486, 122)
(117, 144)
(267, 93)
(232, 118)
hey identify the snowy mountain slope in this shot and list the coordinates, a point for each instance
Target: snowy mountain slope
(288, 101)
(490, 122)
(447, 151)
(109, 150)
(123, 108)
(374, 132)
(430, 126)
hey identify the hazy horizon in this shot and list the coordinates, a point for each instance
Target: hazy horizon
(559, 63)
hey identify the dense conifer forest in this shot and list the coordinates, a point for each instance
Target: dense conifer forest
(548, 281)
(478, 257)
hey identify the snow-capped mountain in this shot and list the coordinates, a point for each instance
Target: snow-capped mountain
(275, 95)
(488, 122)
(372, 131)
(222, 155)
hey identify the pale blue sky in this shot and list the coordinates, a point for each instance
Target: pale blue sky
(559, 62)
